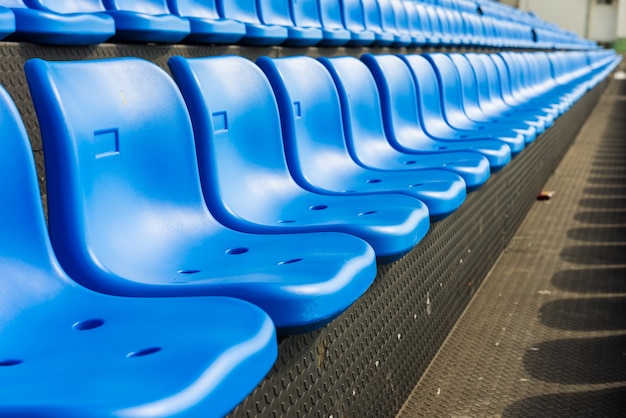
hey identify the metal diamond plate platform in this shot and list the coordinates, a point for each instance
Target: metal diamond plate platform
(545, 336)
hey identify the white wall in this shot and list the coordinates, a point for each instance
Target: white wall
(602, 22)
(567, 14)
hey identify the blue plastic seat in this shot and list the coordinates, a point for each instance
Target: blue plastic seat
(7, 22)
(451, 97)
(306, 13)
(241, 157)
(408, 108)
(58, 22)
(126, 210)
(206, 25)
(391, 23)
(520, 90)
(354, 20)
(364, 129)
(279, 13)
(509, 94)
(471, 105)
(146, 21)
(246, 12)
(67, 351)
(490, 94)
(431, 37)
(332, 23)
(415, 24)
(373, 23)
(311, 114)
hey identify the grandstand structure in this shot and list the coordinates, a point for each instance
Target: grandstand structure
(263, 208)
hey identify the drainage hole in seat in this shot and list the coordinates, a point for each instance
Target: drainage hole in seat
(371, 181)
(318, 207)
(286, 221)
(10, 362)
(88, 324)
(416, 185)
(237, 251)
(293, 260)
(144, 352)
(370, 212)
(410, 162)
(188, 271)
(441, 148)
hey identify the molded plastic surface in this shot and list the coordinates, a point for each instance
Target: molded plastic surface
(406, 114)
(311, 114)
(471, 105)
(332, 23)
(241, 159)
(60, 23)
(246, 12)
(354, 20)
(367, 142)
(146, 21)
(451, 97)
(278, 12)
(7, 22)
(67, 351)
(205, 22)
(126, 210)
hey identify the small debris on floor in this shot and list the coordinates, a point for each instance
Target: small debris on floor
(545, 195)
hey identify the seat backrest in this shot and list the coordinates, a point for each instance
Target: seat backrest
(275, 12)
(28, 269)
(371, 15)
(151, 7)
(352, 13)
(360, 105)
(399, 98)
(205, 9)
(62, 6)
(310, 112)
(450, 85)
(238, 134)
(244, 11)
(125, 129)
(305, 13)
(330, 14)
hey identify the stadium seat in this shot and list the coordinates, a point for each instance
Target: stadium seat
(241, 156)
(279, 13)
(335, 33)
(59, 22)
(69, 352)
(126, 210)
(363, 125)
(372, 19)
(246, 12)
(206, 25)
(407, 111)
(490, 94)
(146, 21)
(311, 113)
(306, 13)
(470, 103)
(354, 20)
(451, 97)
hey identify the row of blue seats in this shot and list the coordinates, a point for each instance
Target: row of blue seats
(262, 192)
(396, 23)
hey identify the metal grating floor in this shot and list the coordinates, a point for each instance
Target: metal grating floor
(545, 335)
